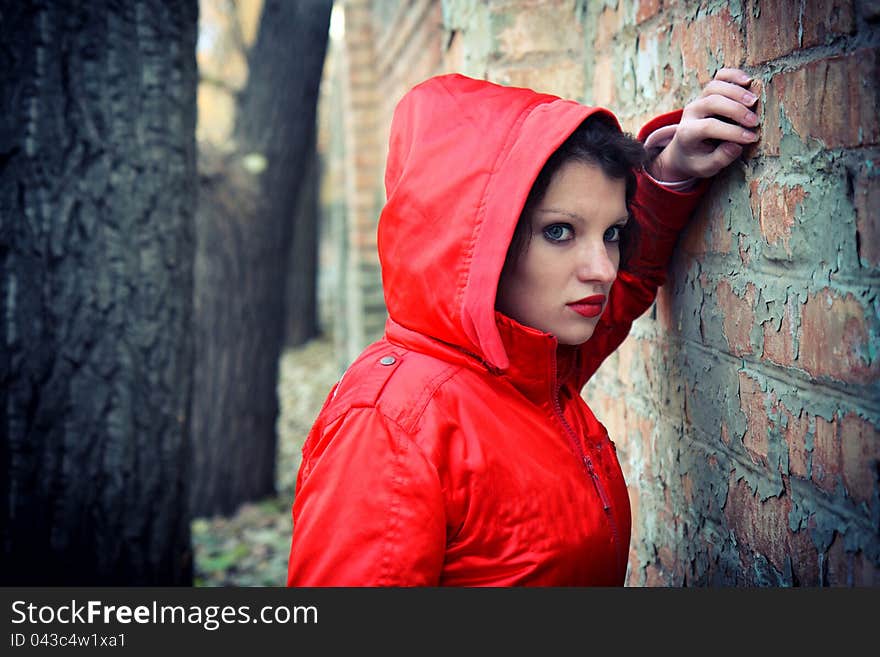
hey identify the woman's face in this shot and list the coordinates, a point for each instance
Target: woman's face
(560, 283)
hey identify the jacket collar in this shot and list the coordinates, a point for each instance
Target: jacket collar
(537, 367)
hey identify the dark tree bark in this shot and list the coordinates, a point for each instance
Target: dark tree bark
(246, 225)
(302, 276)
(97, 201)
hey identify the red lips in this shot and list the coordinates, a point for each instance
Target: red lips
(589, 306)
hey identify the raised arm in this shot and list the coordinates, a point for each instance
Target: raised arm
(688, 147)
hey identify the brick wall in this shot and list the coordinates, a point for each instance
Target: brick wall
(745, 404)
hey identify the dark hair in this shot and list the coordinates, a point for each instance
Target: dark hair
(599, 142)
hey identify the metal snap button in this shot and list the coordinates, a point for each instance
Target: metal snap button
(388, 360)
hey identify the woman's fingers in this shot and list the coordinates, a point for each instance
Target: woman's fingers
(722, 113)
(730, 151)
(711, 159)
(728, 90)
(722, 156)
(723, 107)
(711, 128)
(734, 75)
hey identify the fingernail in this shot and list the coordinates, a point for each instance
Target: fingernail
(749, 135)
(732, 149)
(751, 118)
(749, 98)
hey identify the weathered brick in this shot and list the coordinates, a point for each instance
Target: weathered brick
(655, 577)
(673, 571)
(626, 426)
(751, 401)
(612, 412)
(763, 528)
(744, 253)
(361, 63)
(365, 243)
(364, 96)
(363, 217)
(364, 178)
(527, 32)
(603, 81)
(687, 486)
(832, 100)
(779, 344)
(637, 524)
(860, 451)
(453, 55)
(834, 338)
(738, 316)
(779, 27)
(651, 62)
(775, 206)
(702, 570)
(826, 455)
(867, 204)
(608, 25)
(795, 436)
(633, 577)
(646, 9)
(707, 232)
(364, 200)
(850, 568)
(358, 27)
(626, 354)
(564, 78)
(664, 306)
(824, 20)
(771, 28)
(718, 36)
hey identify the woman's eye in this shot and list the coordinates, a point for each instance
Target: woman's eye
(558, 232)
(613, 233)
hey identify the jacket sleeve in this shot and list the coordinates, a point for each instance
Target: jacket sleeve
(368, 508)
(661, 213)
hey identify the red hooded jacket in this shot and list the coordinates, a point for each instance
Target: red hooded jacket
(457, 449)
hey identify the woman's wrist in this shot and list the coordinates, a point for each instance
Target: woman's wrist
(658, 167)
(662, 170)
(677, 186)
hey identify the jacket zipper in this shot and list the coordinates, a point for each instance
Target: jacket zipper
(591, 472)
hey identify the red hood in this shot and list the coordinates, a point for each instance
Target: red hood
(462, 157)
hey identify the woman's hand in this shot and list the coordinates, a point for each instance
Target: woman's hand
(712, 132)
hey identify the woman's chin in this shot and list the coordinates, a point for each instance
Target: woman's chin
(574, 338)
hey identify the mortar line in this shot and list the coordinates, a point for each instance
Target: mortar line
(845, 508)
(799, 382)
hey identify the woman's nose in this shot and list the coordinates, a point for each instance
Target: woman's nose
(598, 263)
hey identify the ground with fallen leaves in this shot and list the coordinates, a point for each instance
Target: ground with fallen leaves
(251, 547)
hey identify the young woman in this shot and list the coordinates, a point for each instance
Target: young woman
(521, 236)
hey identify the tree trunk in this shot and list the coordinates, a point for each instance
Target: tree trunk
(245, 226)
(302, 275)
(97, 200)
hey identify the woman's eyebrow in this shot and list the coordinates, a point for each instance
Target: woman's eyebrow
(574, 215)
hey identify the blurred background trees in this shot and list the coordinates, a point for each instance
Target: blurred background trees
(143, 300)
(256, 258)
